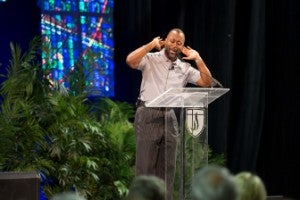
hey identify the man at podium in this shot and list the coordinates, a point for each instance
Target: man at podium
(161, 70)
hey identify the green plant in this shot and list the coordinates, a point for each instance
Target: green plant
(75, 144)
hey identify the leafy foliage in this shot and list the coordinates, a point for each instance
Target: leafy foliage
(74, 144)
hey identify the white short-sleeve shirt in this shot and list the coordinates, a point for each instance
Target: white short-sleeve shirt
(160, 74)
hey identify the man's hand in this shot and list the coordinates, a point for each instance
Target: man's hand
(190, 54)
(159, 43)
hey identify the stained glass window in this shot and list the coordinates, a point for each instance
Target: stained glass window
(73, 28)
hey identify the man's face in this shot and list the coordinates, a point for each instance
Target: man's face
(174, 44)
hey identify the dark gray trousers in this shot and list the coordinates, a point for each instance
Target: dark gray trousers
(156, 144)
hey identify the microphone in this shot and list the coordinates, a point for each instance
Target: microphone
(216, 83)
(172, 66)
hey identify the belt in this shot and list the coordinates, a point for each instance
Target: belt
(140, 103)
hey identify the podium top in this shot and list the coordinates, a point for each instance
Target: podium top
(187, 97)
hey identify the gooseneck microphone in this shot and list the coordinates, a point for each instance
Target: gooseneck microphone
(216, 83)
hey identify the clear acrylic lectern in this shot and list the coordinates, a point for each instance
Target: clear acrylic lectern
(191, 106)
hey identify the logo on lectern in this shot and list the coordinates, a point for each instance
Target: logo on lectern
(195, 121)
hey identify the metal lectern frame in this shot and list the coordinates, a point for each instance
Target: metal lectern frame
(192, 104)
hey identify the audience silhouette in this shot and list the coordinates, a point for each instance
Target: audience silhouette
(214, 182)
(250, 186)
(147, 187)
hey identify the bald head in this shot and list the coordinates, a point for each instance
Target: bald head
(177, 31)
